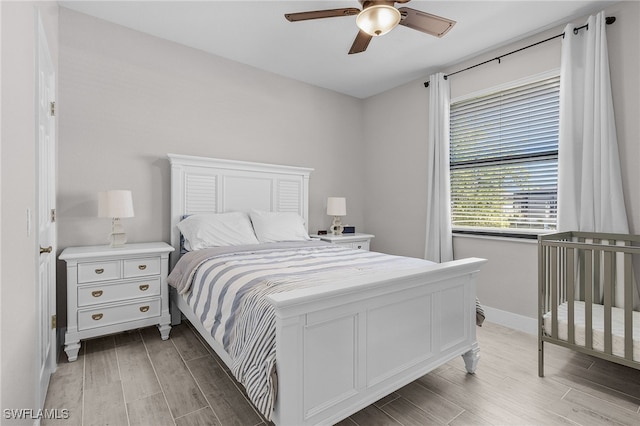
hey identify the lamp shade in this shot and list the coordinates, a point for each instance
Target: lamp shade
(115, 203)
(378, 19)
(337, 206)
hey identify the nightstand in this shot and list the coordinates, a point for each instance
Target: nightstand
(357, 241)
(113, 289)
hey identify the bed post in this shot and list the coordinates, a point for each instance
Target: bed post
(289, 406)
(177, 207)
(471, 358)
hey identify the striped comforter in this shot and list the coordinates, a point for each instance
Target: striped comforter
(226, 289)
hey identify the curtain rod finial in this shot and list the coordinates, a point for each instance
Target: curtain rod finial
(426, 84)
(610, 20)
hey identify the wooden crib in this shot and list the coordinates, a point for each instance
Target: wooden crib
(586, 295)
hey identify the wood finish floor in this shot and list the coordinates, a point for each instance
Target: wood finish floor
(135, 378)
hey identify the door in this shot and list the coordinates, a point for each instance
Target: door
(45, 215)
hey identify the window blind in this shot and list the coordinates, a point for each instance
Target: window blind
(504, 158)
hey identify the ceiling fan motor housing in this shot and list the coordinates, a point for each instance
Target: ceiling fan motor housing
(377, 17)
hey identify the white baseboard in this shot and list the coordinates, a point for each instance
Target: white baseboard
(511, 320)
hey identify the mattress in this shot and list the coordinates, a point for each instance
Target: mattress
(617, 327)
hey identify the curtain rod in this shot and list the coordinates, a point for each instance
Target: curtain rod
(609, 20)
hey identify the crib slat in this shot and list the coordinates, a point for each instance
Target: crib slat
(628, 306)
(542, 302)
(608, 300)
(588, 298)
(569, 268)
(549, 281)
(562, 277)
(554, 292)
(582, 271)
(597, 256)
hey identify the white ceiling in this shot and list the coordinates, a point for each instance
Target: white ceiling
(256, 33)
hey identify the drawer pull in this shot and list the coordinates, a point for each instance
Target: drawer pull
(142, 267)
(144, 287)
(99, 271)
(144, 308)
(96, 293)
(96, 317)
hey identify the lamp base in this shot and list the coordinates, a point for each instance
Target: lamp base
(336, 226)
(117, 238)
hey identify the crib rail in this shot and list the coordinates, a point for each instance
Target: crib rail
(588, 267)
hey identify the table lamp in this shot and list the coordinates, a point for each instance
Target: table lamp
(336, 207)
(116, 204)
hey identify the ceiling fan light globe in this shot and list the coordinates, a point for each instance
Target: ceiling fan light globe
(378, 19)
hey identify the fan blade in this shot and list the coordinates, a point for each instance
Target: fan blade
(425, 22)
(360, 43)
(318, 14)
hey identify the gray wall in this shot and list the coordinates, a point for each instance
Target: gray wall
(127, 99)
(395, 207)
(395, 131)
(17, 192)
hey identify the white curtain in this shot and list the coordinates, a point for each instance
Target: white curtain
(589, 180)
(590, 196)
(439, 243)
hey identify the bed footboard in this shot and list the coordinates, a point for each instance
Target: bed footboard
(341, 349)
(587, 293)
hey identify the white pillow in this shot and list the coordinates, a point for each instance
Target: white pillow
(216, 229)
(274, 227)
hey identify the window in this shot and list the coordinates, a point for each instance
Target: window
(504, 160)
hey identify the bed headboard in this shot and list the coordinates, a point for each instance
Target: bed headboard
(200, 184)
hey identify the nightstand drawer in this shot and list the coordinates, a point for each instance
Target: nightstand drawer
(103, 316)
(98, 271)
(354, 241)
(141, 267)
(111, 292)
(363, 245)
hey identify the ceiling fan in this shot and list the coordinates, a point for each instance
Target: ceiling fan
(379, 17)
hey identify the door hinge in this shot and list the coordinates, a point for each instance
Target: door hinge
(52, 108)
(53, 215)
(54, 321)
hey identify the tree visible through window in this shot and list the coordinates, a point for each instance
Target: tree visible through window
(504, 159)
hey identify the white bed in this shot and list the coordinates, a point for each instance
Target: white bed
(339, 348)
